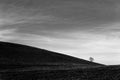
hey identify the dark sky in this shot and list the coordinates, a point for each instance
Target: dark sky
(80, 28)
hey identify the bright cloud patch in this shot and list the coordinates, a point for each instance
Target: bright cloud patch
(7, 34)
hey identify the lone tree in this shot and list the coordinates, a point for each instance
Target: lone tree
(91, 59)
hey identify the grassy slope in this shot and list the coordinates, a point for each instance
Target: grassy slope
(98, 73)
(20, 54)
(20, 62)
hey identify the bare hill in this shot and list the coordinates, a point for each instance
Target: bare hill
(18, 54)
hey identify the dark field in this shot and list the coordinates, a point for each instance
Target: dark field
(98, 73)
(20, 62)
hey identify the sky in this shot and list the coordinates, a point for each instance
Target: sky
(80, 28)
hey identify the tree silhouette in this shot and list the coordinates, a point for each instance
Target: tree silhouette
(91, 59)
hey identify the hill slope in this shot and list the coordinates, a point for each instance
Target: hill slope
(99, 73)
(11, 53)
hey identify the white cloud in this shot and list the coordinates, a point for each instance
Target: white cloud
(7, 34)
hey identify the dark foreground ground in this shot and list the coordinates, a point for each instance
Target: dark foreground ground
(99, 73)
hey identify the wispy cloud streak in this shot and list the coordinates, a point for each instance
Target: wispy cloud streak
(7, 34)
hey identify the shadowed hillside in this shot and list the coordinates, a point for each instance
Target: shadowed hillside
(17, 54)
(20, 62)
(99, 73)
